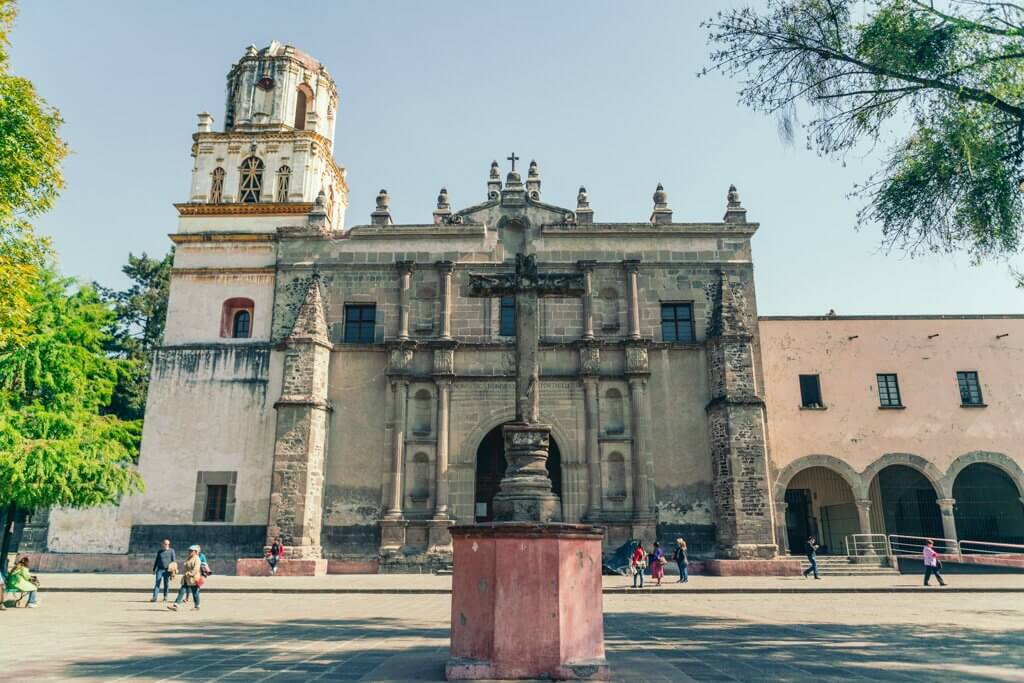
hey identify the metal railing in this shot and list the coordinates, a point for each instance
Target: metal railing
(902, 545)
(867, 544)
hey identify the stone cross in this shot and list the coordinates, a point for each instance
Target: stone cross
(513, 158)
(526, 284)
(525, 494)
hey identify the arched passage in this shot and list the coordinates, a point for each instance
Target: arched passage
(988, 505)
(904, 502)
(820, 503)
(490, 468)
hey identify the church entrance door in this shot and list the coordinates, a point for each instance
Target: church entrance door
(490, 468)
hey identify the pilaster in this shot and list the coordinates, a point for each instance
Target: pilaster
(444, 270)
(946, 508)
(589, 362)
(632, 268)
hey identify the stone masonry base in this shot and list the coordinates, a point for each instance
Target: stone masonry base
(285, 567)
(781, 567)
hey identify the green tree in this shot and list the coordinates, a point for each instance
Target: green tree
(140, 314)
(30, 179)
(949, 76)
(56, 448)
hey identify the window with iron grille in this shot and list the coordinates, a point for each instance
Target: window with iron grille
(217, 186)
(810, 391)
(507, 317)
(250, 180)
(677, 322)
(970, 388)
(888, 391)
(216, 503)
(359, 323)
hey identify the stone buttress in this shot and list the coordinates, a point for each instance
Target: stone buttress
(736, 424)
(296, 497)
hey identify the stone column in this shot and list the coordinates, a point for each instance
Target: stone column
(864, 523)
(642, 502)
(948, 522)
(404, 279)
(441, 494)
(587, 267)
(400, 392)
(781, 530)
(445, 269)
(593, 448)
(632, 267)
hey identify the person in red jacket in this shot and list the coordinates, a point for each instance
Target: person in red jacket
(638, 563)
(274, 554)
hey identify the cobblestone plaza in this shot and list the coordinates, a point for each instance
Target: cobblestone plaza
(667, 636)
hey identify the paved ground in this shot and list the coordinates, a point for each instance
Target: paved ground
(442, 584)
(651, 637)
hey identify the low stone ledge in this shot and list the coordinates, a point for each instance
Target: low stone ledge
(353, 566)
(285, 567)
(786, 567)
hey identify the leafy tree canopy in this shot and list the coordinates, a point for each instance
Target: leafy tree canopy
(30, 179)
(55, 446)
(140, 313)
(950, 74)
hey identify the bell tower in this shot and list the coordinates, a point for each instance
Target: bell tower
(274, 156)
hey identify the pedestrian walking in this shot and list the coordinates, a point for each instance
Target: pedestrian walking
(191, 579)
(638, 563)
(682, 561)
(812, 557)
(274, 555)
(204, 567)
(161, 568)
(932, 564)
(658, 562)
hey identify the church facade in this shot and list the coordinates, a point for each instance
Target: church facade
(339, 388)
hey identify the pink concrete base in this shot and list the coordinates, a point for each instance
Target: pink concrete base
(527, 603)
(786, 567)
(285, 567)
(1012, 561)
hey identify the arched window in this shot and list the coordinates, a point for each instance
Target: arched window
(250, 182)
(217, 186)
(302, 98)
(284, 179)
(242, 326)
(616, 476)
(420, 478)
(422, 413)
(236, 318)
(615, 421)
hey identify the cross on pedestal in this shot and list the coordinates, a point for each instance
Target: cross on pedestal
(525, 493)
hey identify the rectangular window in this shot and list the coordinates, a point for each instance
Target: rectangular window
(970, 388)
(677, 322)
(507, 317)
(888, 391)
(216, 503)
(810, 391)
(360, 320)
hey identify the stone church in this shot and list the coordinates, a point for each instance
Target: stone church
(338, 388)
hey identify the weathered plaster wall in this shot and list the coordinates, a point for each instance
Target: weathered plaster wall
(847, 353)
(196, 302)
(99, 530)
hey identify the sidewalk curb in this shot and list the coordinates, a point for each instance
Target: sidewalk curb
(606, 591)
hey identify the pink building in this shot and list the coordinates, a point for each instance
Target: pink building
(896, 425)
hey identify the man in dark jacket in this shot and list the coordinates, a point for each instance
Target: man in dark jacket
(812, 557)
(164, 558)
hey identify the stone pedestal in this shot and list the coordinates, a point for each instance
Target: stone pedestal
(439, 540)
(527, 602)
(525, 494)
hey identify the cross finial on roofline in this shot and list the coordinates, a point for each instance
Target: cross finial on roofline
(513, 158)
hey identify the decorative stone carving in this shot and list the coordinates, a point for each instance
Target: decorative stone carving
(444, 361)
(590, 360)
(400, 360)
(636, 359)
(662, 213)
(734, 211)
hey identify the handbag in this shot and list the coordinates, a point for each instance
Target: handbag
(199, 582)
(662, 561)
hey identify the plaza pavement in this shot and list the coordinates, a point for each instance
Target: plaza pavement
(660, 635)
(429, 583)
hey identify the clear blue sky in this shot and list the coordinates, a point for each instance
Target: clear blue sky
(602, 94)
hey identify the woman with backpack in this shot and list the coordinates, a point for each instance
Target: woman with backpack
(191, 579)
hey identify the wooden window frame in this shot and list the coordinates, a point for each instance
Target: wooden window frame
(361, 329)
(889, 395)
(969, 384)
(674, 327)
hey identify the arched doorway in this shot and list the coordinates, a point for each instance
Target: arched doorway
(988, 505)
(819, 502)
(490, 468)
(903, 502)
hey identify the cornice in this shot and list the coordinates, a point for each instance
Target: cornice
(192, 237)
(240, 209)
(259, 270)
